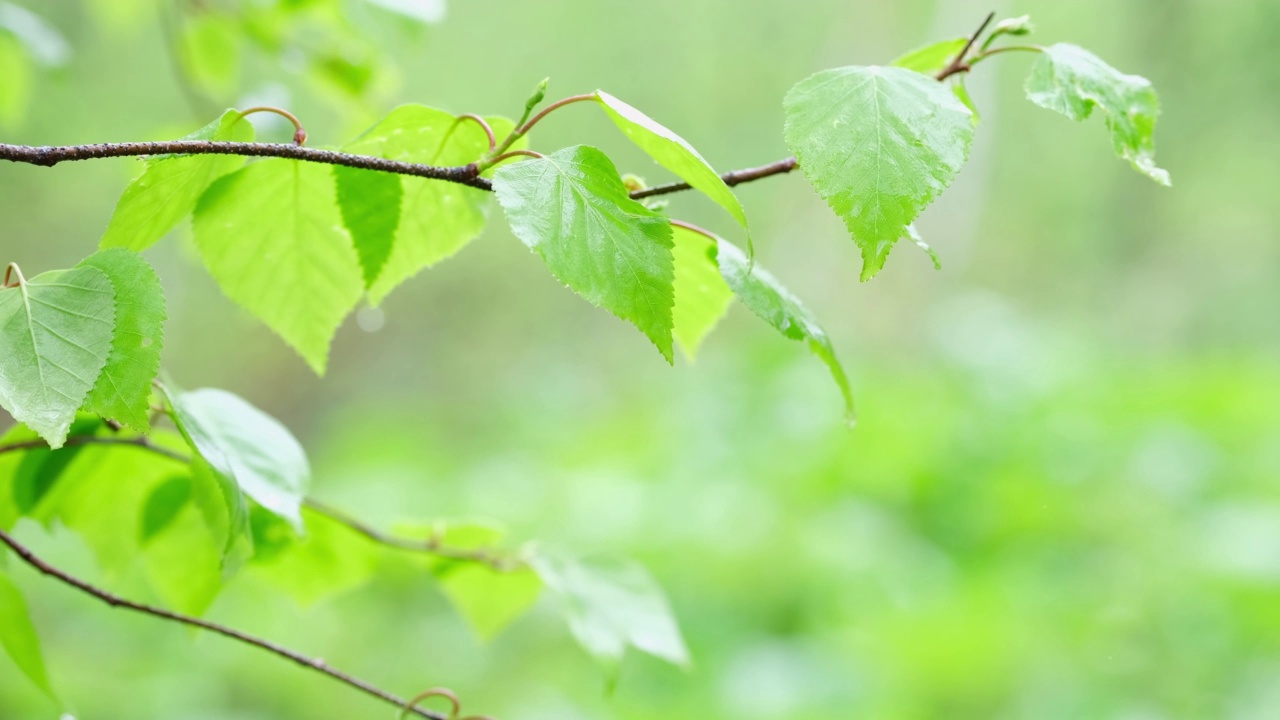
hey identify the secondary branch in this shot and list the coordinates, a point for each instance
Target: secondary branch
(116, 601)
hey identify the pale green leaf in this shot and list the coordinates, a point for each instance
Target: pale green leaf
(167, 190)
(252, 449)
(878, 144)
(1072, 81)
(768, 299)
(436, 218)
(370, 204)
(210, 51)
(931, 59)
(272, 236)
(183, 563)
(56, 331)
(329, 560)
(611, 606)
(15, 91)
(701, 295)
(123, 390)
(488, 599)
(18, 636)
(573, 210)
(673, 153)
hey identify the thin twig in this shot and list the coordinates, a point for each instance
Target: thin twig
(516, 153)
(299, 134)
(430, 546)
(81, 440)
(118, 602)
(524, 128)
(735, 177)
(958, 64)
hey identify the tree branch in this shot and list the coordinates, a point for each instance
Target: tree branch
(431, 546)
(958, 65)
(735, 177)
(116, 601)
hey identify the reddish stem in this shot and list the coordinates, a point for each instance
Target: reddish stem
(299, 134)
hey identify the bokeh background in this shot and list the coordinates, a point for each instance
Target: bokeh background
(1062, 499)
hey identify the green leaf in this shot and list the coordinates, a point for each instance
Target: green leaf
(41, 478)
(611, 606)
(331, 559)
(573, 210)
(247, 446)
(271, 235)
(18, 636)
(167, 190)
(210, 46)
(56, 332)
(672, 152)
(931, 59)
(182, 565)
(15, 91)
(103, 493)
(1014, 27)
(489, 600)
(962, 94)
(436, 218)
(878, 144)
(701, 295)
(768, 299)
(123, 390)
(163, 505)
(1072, 81)
(370, 204)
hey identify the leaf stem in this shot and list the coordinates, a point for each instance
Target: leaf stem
(432, 546)
(115, 601)
(9, 272)
(484, 125)
(299, 134)
(523, 129)
(958, 65)
(1007, 48)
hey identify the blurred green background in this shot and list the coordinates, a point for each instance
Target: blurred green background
(1062, 499)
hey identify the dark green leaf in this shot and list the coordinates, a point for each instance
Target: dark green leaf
(370, 204)
(573, 210)
(878, 144)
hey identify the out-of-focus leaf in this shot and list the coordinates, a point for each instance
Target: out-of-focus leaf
(15, 91)
(183, 563)
(613, 605)
(163, 506)
(424, 11)
(330, 559)
(19, 638)
(210, 46)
